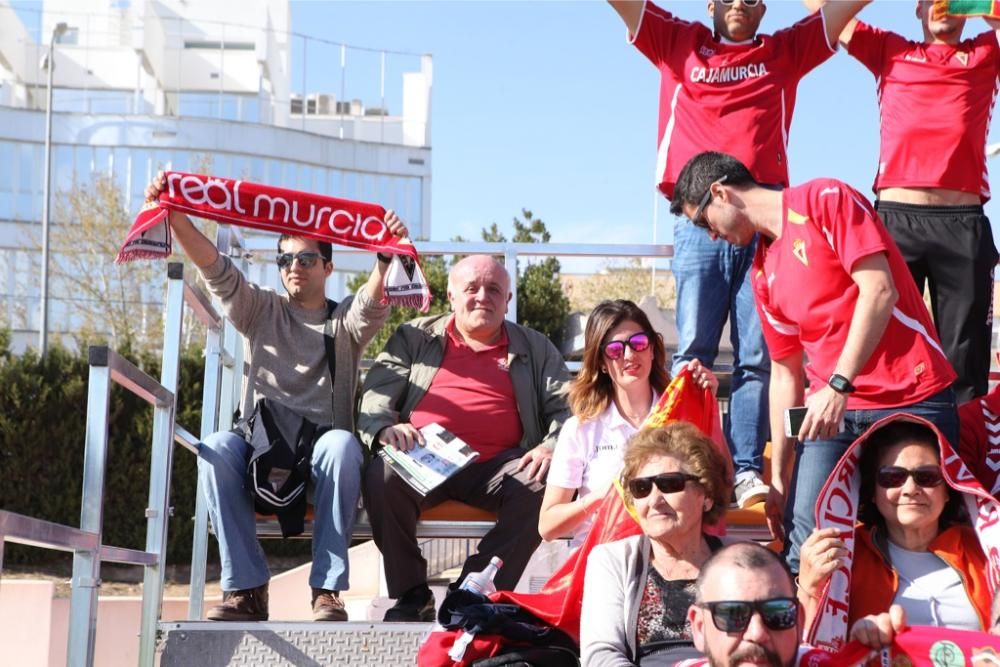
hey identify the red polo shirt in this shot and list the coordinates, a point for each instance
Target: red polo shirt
(472, 396)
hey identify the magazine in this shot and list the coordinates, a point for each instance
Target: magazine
(427, 467)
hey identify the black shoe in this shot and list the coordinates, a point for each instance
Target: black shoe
(416, 606)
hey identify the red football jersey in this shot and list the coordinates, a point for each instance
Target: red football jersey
(737, 98)
(805, 296)
(935, 101)
(979, 441)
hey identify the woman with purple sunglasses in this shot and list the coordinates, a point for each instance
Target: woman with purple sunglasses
(623, 374)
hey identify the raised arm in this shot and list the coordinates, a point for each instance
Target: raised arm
(630, 11)
(838, 16)
(994, 24)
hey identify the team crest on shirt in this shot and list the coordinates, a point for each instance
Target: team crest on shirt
(799, 250)
(963, 58)
(796, 218)
(706, 52)
(503, 365)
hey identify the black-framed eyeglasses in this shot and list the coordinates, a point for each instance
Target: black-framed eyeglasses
(746, 3)
(615, 349)
(735, 615)
(668, 482)
(698, 219)
(305, 258)
(893, 477)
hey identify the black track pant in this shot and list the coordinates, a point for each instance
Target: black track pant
(951, 249)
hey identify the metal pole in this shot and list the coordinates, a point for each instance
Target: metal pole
(43, 326)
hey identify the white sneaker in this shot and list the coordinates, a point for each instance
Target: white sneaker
(750, 489)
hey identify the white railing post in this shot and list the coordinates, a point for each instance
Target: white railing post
(161, 458)
(209, 424)
(87, 564)
(510, 262)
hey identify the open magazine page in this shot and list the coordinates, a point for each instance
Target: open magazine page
(427, 467)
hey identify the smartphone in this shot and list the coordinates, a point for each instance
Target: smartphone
(794, 418)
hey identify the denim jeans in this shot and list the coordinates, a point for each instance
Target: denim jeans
(815, 460)
(336, 487)
(713, 283)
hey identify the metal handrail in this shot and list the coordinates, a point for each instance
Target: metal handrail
(85, 542)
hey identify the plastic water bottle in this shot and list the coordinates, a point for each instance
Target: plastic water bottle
(482, 582)
(477, 582)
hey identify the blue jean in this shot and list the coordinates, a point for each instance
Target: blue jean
(336, 487)
(815, 460)
(713, 283)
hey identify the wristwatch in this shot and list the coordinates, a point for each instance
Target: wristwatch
(382, 257)
(840, 384)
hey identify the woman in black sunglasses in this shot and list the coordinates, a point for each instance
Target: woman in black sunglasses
(624, 372)
(637, 591)
(913, 546)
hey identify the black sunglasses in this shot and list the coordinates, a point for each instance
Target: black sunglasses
(746, 3)
(614, 349)
(893, 477)
(735, 615)
(668, 482)
(306, 259)
(698, 219)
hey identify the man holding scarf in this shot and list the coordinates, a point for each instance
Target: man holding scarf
(284, 336)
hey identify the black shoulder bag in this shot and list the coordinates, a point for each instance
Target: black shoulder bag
(282, 441)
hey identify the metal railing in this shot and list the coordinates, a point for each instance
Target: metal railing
(86, 542)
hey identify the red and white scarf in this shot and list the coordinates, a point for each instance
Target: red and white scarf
(837, 507)
(339, 221)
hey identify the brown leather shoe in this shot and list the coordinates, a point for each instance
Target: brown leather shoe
(246, 605)
(327, 606)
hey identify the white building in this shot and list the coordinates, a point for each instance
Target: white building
(168, 84)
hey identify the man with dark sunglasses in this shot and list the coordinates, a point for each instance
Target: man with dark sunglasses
(727, 87)
(831, 288)
(287, 362)
(936, 98)
(746, 610)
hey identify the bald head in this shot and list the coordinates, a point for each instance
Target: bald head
(746, 556)
(479, 290)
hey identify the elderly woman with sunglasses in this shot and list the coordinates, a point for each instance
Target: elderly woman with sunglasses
(913, 546)
(637, 591)
(623, 374)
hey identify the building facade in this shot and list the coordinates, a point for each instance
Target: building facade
(168, 84)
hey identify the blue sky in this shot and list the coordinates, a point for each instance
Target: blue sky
(544, 105)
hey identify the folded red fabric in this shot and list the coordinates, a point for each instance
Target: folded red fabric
(338, 221)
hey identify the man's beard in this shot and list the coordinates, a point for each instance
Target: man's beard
(754, 651)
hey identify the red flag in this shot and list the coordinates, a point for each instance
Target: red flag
(560, 600)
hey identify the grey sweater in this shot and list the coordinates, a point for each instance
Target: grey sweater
(285, 349)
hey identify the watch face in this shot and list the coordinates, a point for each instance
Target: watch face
(840, 384)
